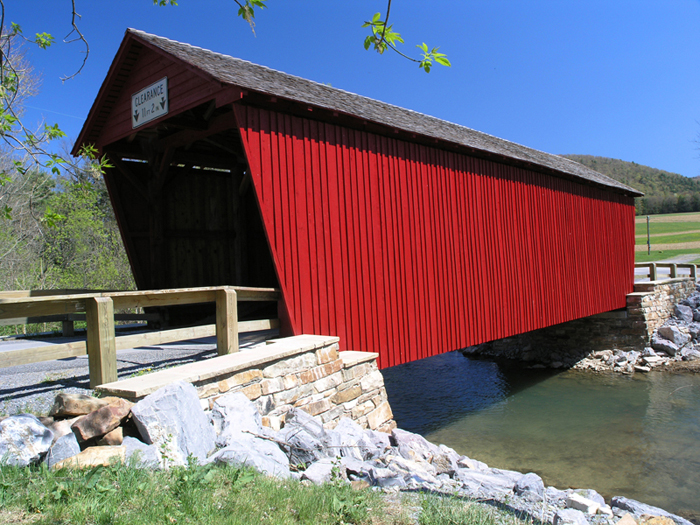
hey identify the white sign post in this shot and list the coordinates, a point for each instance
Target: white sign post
(150, 103)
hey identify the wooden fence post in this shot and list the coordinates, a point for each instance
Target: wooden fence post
(101, 347)
(652, 271)
(226, 321)
(673, 272)
(693, 272)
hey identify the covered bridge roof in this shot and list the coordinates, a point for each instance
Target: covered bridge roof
(243, 74)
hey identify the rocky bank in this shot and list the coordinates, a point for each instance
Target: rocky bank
(675, 344)
(170, 428)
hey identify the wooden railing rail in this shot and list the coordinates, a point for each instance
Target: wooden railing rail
(653, 269)
(102, 345)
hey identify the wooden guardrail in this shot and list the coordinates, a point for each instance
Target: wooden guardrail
(101, 345)
(672, 270)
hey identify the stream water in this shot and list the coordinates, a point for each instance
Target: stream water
(636, 436)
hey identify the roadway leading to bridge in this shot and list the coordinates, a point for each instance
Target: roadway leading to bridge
(32, 388)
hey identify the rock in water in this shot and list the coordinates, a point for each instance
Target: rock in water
(65, 447)
(638, 509)
(172, 418)
(23, 440)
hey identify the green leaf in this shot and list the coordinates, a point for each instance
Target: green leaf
(442, 60)
(43, 40)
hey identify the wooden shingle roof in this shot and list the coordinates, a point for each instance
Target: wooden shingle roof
(234, 71)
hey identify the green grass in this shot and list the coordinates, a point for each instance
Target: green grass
(195, 495)
(659, 255)
(672, 239)
(456, 511)
(665, 227)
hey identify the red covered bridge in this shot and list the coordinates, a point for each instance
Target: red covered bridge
(399, 232)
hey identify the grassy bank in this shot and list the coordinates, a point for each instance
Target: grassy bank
(220, 495)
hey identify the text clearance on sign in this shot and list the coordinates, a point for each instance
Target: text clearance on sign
(150, 103)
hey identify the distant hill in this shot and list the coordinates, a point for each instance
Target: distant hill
(664, 192)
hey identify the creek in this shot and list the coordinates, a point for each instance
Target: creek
(635, 436)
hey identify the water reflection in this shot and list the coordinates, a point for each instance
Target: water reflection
(635, 436)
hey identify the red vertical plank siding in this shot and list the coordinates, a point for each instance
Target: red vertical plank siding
(410, 251)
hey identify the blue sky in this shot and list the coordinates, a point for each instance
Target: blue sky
(615, 78)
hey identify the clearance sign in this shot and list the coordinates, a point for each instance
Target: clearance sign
(150, 103)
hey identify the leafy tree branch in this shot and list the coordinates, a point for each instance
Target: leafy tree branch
(384, 37)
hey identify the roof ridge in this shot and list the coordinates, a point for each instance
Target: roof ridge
(271, 81)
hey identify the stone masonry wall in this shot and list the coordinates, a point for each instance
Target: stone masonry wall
(566, 344)
(305, 371)
(652, 302)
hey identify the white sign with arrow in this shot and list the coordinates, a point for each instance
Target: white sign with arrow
(150, 103)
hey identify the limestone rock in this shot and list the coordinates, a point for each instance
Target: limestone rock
(683, 313)
(141, 455)
(261, 454)
(480, 484)
(353, 441)
(413, 446)
(23, 440)
(321, 471)
(570, 517)
(578, 502)
(673, 334)
(94, 457)
(661, 344)
(65, 447)
(101, 421)
(638, 509)
(530, 482)
(71, 405)
(305, 438)
(232, 414)
(172, 418)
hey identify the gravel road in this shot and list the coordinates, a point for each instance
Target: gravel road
(32, 388)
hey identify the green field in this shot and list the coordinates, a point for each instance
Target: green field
(671, 235)
(656, 228)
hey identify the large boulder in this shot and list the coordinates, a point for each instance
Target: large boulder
(233, 414)
(172, 418)
(94, 457)
(529, 483)
(71, 405)
(261, 454)
(23, 440)
(492, 484)
(102, 420)
(140, 455)
(65, 447)
(639, 509)
(352, 440)
(570, 517)
(415, 447)
(661, 344)
(673, 334)
(683, 313)
(305, 439)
